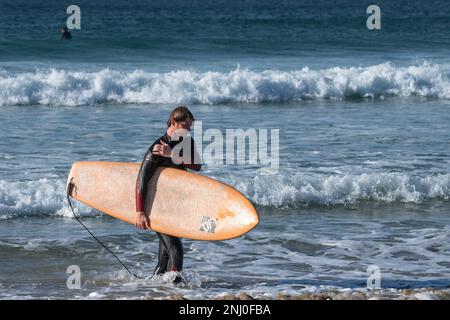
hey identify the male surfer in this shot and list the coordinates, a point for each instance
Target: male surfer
(170, 257)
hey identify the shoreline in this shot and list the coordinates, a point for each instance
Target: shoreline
(334, 294)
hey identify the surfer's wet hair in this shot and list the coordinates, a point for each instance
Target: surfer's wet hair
(180, 114)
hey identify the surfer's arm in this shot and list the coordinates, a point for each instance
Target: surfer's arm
(164, 150)
(193, 166)
(148, 168)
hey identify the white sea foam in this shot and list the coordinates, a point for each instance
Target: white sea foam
(43, 196)
(56, 87)
(307, 188)
(47, 196)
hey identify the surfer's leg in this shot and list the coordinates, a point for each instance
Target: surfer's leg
(175, 254)
(163, 257)
(175, 248)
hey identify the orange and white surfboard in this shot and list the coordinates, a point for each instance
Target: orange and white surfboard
(179, 203)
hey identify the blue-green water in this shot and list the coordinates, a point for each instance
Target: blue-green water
(364, 127)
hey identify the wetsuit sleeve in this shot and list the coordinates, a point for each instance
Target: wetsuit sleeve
(195, 161)
(148, 168)
(195, 156)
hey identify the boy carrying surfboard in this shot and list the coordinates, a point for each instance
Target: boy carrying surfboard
(159, 154)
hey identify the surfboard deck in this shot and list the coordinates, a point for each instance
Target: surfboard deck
(178, 202)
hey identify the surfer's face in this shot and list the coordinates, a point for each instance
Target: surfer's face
(185, 125)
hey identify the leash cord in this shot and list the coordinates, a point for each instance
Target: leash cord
(101, 243)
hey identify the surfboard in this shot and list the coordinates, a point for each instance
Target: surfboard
(178, 202)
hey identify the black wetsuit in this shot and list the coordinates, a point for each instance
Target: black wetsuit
(66, 35)
(170, 256)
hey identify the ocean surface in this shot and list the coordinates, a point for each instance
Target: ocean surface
(364, 141)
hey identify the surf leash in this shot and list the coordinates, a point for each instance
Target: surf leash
(69, 189)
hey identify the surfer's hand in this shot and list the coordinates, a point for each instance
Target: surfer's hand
(162, 149)
(142, 221)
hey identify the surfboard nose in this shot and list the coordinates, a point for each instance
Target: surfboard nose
(249, 218)
(242, 215)
(253, 217)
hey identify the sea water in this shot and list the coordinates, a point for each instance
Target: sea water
(363, 119)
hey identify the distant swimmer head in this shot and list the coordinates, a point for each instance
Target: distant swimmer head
(180, 118)
(65, 34)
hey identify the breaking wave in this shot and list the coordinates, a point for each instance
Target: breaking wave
(57, 87)
(319, 189)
